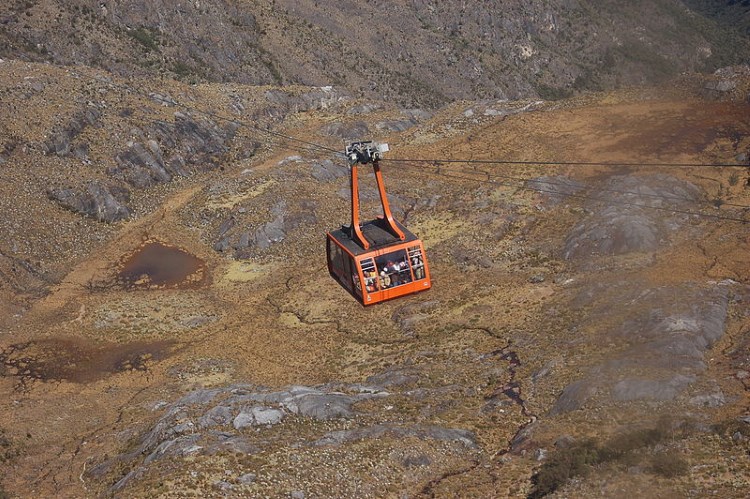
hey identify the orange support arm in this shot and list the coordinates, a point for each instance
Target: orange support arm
(356, 235)
(384, 201)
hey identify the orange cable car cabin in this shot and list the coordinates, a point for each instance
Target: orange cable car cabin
(379, 259)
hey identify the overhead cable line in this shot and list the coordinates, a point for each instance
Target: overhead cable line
(567, 163)
(312, 146)
(603, 189)
(315, 145)
(239, 121)
(591, 198)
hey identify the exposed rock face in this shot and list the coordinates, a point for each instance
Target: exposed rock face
(728, 82)
(141, 167)
(416, 53)
(99, 201)
(667, 330)
(638, 219)
(412, 117)
(179, 149)
(395, 125)
(357, 130)
(651, 389)
(61, 142)
(614, 232)
(167, 150)
(408, 316)
(285, 218)
(555, 189)
(264, 236)
(328, 171)
(574, 396)
(235, 419)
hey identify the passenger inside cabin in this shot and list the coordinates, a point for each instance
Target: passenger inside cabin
(385, 279)
(393, 269)
(402, 270)
(370, 281)
(393, 273)
(417, 266)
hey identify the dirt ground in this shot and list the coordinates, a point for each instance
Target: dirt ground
(89, 362)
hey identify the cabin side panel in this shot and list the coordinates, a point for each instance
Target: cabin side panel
(343, 268)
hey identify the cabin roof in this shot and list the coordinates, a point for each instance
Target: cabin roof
(375, 232)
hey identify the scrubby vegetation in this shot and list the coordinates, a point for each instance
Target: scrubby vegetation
(146, 37)
(7, 450)
(624, 449)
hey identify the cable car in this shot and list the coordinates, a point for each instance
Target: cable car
(379, 259)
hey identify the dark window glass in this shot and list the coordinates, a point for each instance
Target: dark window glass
(393, 269)
(371, 274)
(351, 275)
(343, 267)
(336, 261)
(417, 262)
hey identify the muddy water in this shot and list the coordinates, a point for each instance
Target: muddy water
(159, 266)
(75, 360)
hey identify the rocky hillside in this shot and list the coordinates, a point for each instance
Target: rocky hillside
(733, 13)
(586, 332)
(420, 53)
(168, 326)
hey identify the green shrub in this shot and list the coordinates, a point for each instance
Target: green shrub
(734, 178)
(625, 443)
(668, 465)
(181, 69)
(7, 450)
(146, 37)
(547, 92)
(730, 427)
(624, 448)
(563, 465)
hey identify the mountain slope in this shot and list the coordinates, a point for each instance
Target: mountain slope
(168, 326)
(414, 53)
(593, 315)
(732, 13)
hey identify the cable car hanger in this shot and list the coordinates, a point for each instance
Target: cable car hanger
(364, 153)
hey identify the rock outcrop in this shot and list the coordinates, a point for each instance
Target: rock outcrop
(236, 419)
(61, 141)
(639, 218)
(414, 53)
(178, 148)
(103, 202)
(666, 332)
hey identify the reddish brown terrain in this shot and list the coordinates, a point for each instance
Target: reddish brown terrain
(169, 327)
